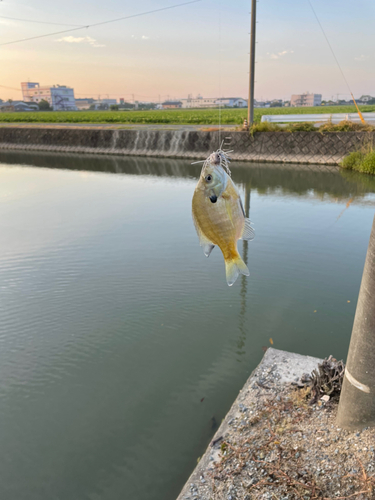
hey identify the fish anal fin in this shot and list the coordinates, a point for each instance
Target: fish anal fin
(248, 232)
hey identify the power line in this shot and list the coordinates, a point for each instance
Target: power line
(101, 23)
(10, 88)
(39, 22)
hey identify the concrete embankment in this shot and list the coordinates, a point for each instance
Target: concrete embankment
(185, 142)
(277, 369)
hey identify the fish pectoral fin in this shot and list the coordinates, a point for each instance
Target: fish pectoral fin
(248, 232)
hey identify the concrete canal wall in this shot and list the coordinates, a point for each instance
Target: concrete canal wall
(297, 147)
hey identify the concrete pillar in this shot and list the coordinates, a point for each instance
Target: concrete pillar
(357, 401)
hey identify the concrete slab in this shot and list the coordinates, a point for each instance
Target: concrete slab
(276, 369)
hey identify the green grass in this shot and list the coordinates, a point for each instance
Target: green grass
(178, 116)
(290, 127)
(361, 161)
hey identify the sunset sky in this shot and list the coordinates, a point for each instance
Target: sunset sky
(198, 48)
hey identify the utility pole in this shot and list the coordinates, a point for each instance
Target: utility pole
(357, 401)
(250, 103)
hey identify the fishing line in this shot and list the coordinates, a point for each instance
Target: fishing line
(337, 62)
(101, 23)
(220, 144)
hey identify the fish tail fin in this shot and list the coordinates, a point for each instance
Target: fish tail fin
(235, 267)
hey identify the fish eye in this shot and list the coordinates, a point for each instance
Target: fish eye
(208, 178)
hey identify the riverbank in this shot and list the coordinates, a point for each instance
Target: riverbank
(185, 142)
(274, 444)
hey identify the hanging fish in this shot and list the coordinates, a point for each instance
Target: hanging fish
(219, 216)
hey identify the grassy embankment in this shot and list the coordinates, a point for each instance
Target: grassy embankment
(361, 161)
(178, 116)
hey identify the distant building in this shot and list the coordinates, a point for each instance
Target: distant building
(231, 102)
(84, 103)
(18, 106)
(213, 102)
(199, 102)
(59, 97)
(171, 104)
(259, 104)
(276, 103)
(103, 104)
(107, 101)
(298, 100)
(366, 99)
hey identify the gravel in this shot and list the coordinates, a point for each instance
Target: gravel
(288, 449)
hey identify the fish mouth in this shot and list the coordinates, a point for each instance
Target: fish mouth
(213, 198)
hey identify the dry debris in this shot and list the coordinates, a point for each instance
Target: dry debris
(327, 379)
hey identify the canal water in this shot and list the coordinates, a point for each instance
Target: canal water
(121, 345)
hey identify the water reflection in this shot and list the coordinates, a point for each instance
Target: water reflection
(322, 180)
(245, 246)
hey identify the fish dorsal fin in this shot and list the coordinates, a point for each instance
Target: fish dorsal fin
(248, 232)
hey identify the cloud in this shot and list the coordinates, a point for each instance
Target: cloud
(143, 37)
(280, 54)
(80, 39)
(71, 39)
(361, 58)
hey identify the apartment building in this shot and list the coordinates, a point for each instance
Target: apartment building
(298, 100)
(59, 97)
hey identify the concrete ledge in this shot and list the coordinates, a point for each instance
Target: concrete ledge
(276, 369)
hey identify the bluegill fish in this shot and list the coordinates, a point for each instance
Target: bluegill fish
(219, 216)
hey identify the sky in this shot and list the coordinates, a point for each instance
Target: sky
(201, 48)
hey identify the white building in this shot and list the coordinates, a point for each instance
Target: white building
(59, 97)
(306, 99)
(213, 102)
(199, 102)
(232, 102)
